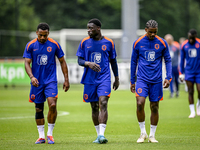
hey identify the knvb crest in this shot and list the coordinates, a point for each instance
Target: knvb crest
(42, 59)
(49, 49)
(192, 52)
(96, 57)
(104, 47)
(150, 55)
(157, 46)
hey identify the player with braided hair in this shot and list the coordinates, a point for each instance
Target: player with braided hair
(147, 54)
(151, 24)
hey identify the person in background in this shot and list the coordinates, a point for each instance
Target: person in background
(181, 40)
(190, 52)
(174, 53)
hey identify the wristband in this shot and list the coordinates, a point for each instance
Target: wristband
(31, 77)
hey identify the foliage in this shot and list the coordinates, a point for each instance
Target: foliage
(175, 17)
(76, 13)
(15, 15)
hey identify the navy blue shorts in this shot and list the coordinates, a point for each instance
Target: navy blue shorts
(40, 93)
(153, 90)
(92, 92)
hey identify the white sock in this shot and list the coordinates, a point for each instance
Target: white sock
(102, 128)
(41, 131)
(50, 129)
(192, 108)
(97, 129)
(152, 130)
(142, 127)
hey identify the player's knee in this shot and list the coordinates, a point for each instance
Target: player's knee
(154, 108)
(39, 111)
(191, 91)
(95, 108)
(140, 106)
(39, 115)
(103, 103)
(52, 107)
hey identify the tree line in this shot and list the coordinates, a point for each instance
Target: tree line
(174, 17)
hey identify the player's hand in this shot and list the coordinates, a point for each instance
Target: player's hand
(132, 88)
(116, 83)
(34, 82)
(182, 77)
(166, 83)
(66, 85)
(94, 66)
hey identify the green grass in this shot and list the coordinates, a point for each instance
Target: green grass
(76, 131)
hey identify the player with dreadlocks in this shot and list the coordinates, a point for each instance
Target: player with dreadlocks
(148, 51)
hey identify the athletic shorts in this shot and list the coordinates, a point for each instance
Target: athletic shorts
(193, 77)
(153, 90)
(92, 92)
(40, 93)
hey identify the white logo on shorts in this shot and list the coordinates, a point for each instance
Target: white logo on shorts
(150, 55)
(192, 52)
(42, 59)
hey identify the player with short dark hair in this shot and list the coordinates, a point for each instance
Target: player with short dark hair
(190, 52)
(40, 64)
(147, 54)
(95, 53)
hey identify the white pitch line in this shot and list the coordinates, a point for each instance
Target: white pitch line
(63, 113)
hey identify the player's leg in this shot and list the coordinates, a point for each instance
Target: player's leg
(198, 100)
(141, 118)
(37, 96)
(176, 79)
(172, 85)
(154, 121)
(141, 94)
(39, 118)
(90, 95)
(95, 117)
(103, 114)
(140, 108)
(103, 92)
(155, 95)
(154, 113)
(190, 86)
(103, 117)
(51, 92)
(51, 117)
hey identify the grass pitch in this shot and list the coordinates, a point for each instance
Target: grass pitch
(75, 131)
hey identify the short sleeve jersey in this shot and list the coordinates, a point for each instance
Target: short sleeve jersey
(191, 54)
(148, 54)
(99, 52)
(43, 59)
